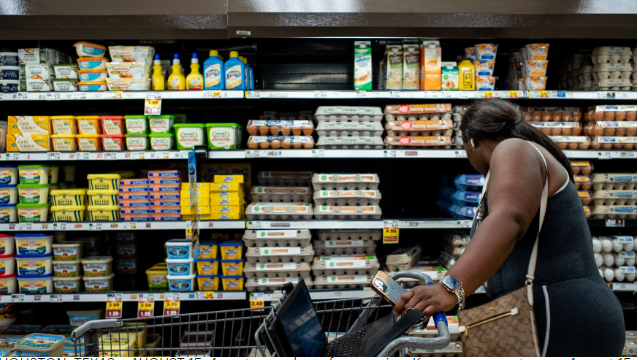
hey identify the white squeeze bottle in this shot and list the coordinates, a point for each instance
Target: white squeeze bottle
(234, 72)
(213, 72)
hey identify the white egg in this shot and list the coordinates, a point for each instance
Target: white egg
(609, 274)
(608, 259)
(606, 245)
(629, 246)
(619, 275)
(599, 260)
(630, 276)
(619, 261)
(597, 245)
(616, 245)
(630, 261)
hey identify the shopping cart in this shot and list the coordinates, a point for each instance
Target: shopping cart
(338, 317)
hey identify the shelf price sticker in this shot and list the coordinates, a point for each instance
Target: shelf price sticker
(615, 223)
(114, 306)
(145, 308)
(488, 94)
(257, 300)
(152, 105)
(171, 304)
(390, 231)
(544, 94)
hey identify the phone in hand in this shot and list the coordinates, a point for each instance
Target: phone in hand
(386, 287)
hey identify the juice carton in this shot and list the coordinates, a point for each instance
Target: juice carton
(362, 65)
(394, 67)
(431, 65)
(449, 76)
(411, 66)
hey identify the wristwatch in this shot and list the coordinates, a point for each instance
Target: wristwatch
(453, 285)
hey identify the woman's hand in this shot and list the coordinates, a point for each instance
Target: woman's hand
(430, 299)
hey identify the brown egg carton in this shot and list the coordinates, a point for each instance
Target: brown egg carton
(280, 194)
(585, 197)
(614, 181)
(554, 114)
(273, 283)
(340, 181)
(342, 281)
(287, 115)
(280, 127)
(559, 128)
(277, 269)
(420, 141)
(582, 167)
(284, 178)
(615, 197)
(582, 182)
(374, 235)
(587, 211)
(424, 117)
(572, 142)
(350, 142)
(344, 247)
(281, 142)
(614, 142)
(610, 128)
(614, 212)
(611, 113)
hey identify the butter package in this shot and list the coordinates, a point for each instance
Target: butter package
(36, 72)
(35, 85)
(26, 125)
(225, 209)
(166, 174)
(185, 194)
(229, 187)
(37, 56)
(134, 210)
(140, 203)
(135, 218)
(165, 218)
(200, 186)
(227, 216)
(411, 77)
(134, 189)
(430, 65)
(226, 198)
(164, 196)
(133, 196)
(160, 203)
(198, 201)
(186, 210)
(169, 210)
(28, 143)
(165, 182)
(163, 188)
(134, 182)
(217, 179)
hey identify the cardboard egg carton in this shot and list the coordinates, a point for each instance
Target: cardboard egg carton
(347, 197)
(345, 181)
(404, 258)
(280, 194)
(454, 349)
(342, 281)
(284, 178)
(436, 142)
(421, 127)
(611, 55)
(344, 247)
(610, 128)
(350, 142)
(612, 71)
(612, 197)
(430, 331)
(348, 113)
(280, 142)
(417, 111)
(614, 181)
(347, 212)
(279, 254)
(273, 283)
(349, 128)
(345, 265)
(279, 211)
(277, 269)
(277, 237)
(611, 84)
(374, 235)
(614, 212)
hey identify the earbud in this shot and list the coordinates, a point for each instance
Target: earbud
(472, 142)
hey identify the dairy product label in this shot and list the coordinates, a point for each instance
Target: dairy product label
(189, 137)
(5, 215)
(111, 127)
(627, 255)
(5, 176)
(221, 138)
(95, 269)
(264, 234)
(233, 77)
(135, 125)
(342, 243)
(362, 65)
(65, 270)
(345, 264)
(92, 285)
(3, 248)
(623, 194)
(213, 75)
(62, 144)
(411, 69)
(65, 286)
(276, 266)
(29, 196)
(30, 247)
(347, 278)
(30, 176)
(5, 196)
(136, 143)
(179, 268)
(279, 251)
(112, 144)
(194, 83)
(33, 287)
(159, 125)
(179, 285)
(65, 253)
(34, 215)
(62, 126)
(87, 126)
(31, 267)
(86, 144)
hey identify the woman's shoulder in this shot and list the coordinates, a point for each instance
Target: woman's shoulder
(514, 148)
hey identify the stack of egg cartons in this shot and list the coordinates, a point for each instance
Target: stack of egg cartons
(422, 125)
(227, 198)
(534, 67)
(349, 127)
(281, 195)
(276, 257)
(346, 196)
(181, 267)
(67, 267)
(612, 68)
(345, 258)
(454, 243)
(276, 130)
(611, 127)
(575, 70)
(615, 257)
(403, 259)
(36, 71)
(614, 196)
(130, 69)
(459, 197)
(232, 264)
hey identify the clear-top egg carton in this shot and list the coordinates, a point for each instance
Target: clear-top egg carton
(347, 212)
(286, 115)
(454, 349)
(350, 142)
(417, 111)
(277, 269)
(611, 55)
(615, 197)
(279, 211)
(421, 128)
(553, 113)
(348, 113)
(277, 237)
(374, 235)
(435, 272)
(281, 142)
(611, 113)
(347, 197)
(559, 128)
(349, 128)
(280, 127)
(614, 212)
(615, 142)
(610, 128)
(345, 181)
(273, 283)
(278, 254)
(281, 194)
(436, 142)
(614, 181)
(345, 265)
(342, 281)
(284, 178)
(344, 247)
(404, 258)
(430, 331)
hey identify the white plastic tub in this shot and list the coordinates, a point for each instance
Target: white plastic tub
(67, 251)
(8, 284)
(30, 243)
(64, 269)
(7, 244)
(182, 267)
(68, 284)
(97, 266)
(33, 193)
(179, 249)
(33, 212)
(35, 284)
(98, 283)
(181, 283)
(7, 264)
(8, 194)
(8, 175)
(34, 264)
(33, 174)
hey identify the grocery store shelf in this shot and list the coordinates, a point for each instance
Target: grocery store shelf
(121, 95)
(125, 296)
(96, 155)
(597, 223)
(359, 224)
(622, 287)
(345, 153)
(598, 154)
(107, 226)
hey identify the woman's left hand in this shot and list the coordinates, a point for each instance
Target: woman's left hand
(430, 299)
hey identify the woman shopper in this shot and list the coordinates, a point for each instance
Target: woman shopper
(576, 313)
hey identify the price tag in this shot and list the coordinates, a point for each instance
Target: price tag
(209, 295)
(17, 298)
(615, 223)
(59, 226)
(113, 306)
(95, 227)
(189, 232)
(110, 156)
(544, 94)
(488, 94)
(604, 155)
(513, 94)
(395, 94)
(55, 298)
(25, 226)
(318, 153)
(129, 225)
(389, 153)
(145, 308)
(117, 94)
(321, 94)
(390, 231)
(256, 300)
(171, 304)
(82, 156)
(161, 155)
(361, 93)
(253, 95)
(53, 156)
(152, 105)
(460, 154)
(252, 154)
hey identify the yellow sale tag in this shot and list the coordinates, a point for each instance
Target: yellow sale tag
(117, 94)
(209, 295)
(513, 94)
(488, 94)
(171, 307)
(390, 235)
(145, 309)
(544, 94)
(217, 94)
(153, 106)
(113, 305)
(256, 300)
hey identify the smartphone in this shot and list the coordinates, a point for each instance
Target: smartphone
(386, 287)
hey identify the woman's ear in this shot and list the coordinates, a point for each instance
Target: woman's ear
(472, 142)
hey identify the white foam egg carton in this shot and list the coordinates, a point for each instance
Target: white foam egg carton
(280, 194)
(347, 212)
(344, 247)
(331, 181)
(611, 84)
(454, 349)
(612, 197)
(279, 254)
(420, 127)
(345, 265)
(399, 258)
(345, 113)
(277, 237)
(279, 211)
(349, 128)
(612, 71)
(277, 269)
(614, 181)
(284, 178)
(342, 281)
(347, 197)
(614, 212)
(374, 235)
(350, 142)
(611, 55)
(273, 283)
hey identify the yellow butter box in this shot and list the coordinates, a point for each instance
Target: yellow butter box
(28, 143)
(230, 187)
(228, 179)
(187, 195)
(24, 125)
(199, 201)
(232, 201)
(186, 210)
(225, 209)
(201, 186)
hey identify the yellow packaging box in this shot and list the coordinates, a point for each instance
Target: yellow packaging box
(28, 143)
(26, 125)
(200, 202)
(186, 195)
(230, 187)
(201, 186)
(226, 198)
(186, 210)
(228, 179)
(225, 209)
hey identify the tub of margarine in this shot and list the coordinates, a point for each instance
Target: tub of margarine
(36, 264)
(8, 194)
(93, 75)
(231, 283)
(180, 267)
(89, 142)
(40, 345)
(7, 244)
(33, 212)
(64, 125)
(232, 267)
(7, 264)
(70, 284)
(84, 48)
(157, 278)
(8, 213)
(89, 125)
(98, 283)
(161, 124)
(207, 266)
(103, 197)
(65, 84)
(33, 174)
(92, 63)
(8, 175)
(207, 250)
(231, 250)
(188, 136)
(112, 142)
(136, 124)
(181, 283)
(103, 181)
(8, 284)
(208, 282)
(33, 243)
(67, 268)
(104, 213)
(69, 197)
(136, 142)
(64, 143)
(162, 141)
(112, 124)
(33, 193)
(92, 86)
(68, 212)
(97, 266)
(179, 249)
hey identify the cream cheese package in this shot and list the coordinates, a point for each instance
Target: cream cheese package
(128, 70)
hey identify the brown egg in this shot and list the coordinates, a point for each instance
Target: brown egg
(275, 144)
(609, 116)
(620, 116)
(589, 129)
(536, 116)
(285, 144)
(252, 129)
(585, 200)
(576, 116)
(587, 212)
(576, 170)
(573, 145)
(594, 145)
(566, 131)
(591, 115)
(527, 116)
(556, 116)
(296, 145)
(296, 131)
(585, 186)
(562, 145)
(577, 130)
(577, 186)
(263, 130)
(285, 130)
(631, 132)
(274, 130)
(620, 131)
(264, 144)
(583, 145)
(556, 131)
(546, 116)
(606, 146)
(617, 146)
(628, 146)
(309, 145)
(566, 116)
(598, 115)
(630, 116)
(307, 131)
(545, 130)
(635, 145)
(252, 144)
(608, 131)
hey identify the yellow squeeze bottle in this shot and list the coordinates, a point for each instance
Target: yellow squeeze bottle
(158, 77)
(195, 80)
(176, 81)
(466, 75)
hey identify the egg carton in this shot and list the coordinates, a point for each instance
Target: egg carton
(279, 254)
(280, 194)
(454, 349)
(273, 283)
(572, 142)
(614, 212)
(611, 84)
(344, 247)
(281, 142)
(349, 128)
(345, 265)
(402, 112)
(610, 128)
(612, 197)
(402, 257)
(347, 197)
(284, 178)
(279, 211)
(559, 128)
(342, 281)
(612, 71)
(277, 269)
(347, 212)
(611, 112)
(618, 274)
(286, 115)
(553, 113)
(426, 127)
(350, 142)
(435, 272)
(280, 127)
(424, 117)
(611, 55)
(616, 142)
(398, 142)
(277, 238)
(614, 181)
(331, 181)
(374, 235)
(348, 113)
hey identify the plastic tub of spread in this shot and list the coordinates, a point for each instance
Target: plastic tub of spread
(8, 284)
(69, 197)
(10, 73)
(279, 254)
(281, 142)
(128, 70)
(9, 194)
(136, 143)
(7, 264)
(97, 266)
(103, 181)
(35, 284)
(92, 86)
(136, 124)
(161, 142)
(288, 269)
(8, 213)
(180, 267)
(33, 212)
(64, 125)
(280, 194)
(65, 84)
(92, 63)
(181, 283)
(348, 113)
(344, 247)
(129, 84)
(103, 197)
(233, 283)
(47, 345)
(68, 213)
(485, 83)
(95, 284)
(8, 175)
(33, 174)
(63, 269)
(232, 267)
(161, 124)
(187, 136)
(535, 67)
(332, 181)
(484, 67)
(157, 279)
(224, 136)
(88, 125)
(92, 75)
(345, 265)
(112, 125)
(33, 244)
(342, 281)
(84, 48)
(64, 143)
(113, 142)
(63, 285)
(32, 194)
(207, 250)
(35, 264)
(231, 250)
(208, 282)
(89, 142)
(277, 238)
(486, 51)
(535, 83)
(7, 244)
(179, 249)
(119, 344)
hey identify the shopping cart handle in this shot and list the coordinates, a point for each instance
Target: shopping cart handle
(428, 281)
(440, 316)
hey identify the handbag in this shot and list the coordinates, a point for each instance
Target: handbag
(505, 326)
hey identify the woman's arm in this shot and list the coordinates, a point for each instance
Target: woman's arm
(514, 192)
